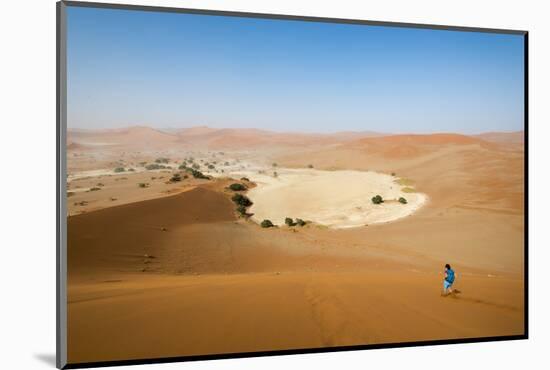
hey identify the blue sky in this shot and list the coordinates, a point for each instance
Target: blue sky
(179, 70)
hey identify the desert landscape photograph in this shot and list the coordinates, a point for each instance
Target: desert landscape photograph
(239, 185)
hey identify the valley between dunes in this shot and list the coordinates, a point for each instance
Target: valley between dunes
(171, 269)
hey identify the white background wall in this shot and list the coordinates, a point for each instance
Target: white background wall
(27, 192)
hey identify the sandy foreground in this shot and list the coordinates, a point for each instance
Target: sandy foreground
(172, 270)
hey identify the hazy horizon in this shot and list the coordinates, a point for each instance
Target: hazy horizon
(169, 71)
(384, 133)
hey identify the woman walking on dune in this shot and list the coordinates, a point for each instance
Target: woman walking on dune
(449, 280)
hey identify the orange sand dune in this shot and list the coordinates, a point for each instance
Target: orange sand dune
(137, 317)
(183, 275)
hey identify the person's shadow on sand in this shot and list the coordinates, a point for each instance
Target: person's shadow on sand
(455, 292)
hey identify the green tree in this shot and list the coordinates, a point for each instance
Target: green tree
(237, 187)
(377, 199)
(266, 223)
(300, 222)
(241, 200)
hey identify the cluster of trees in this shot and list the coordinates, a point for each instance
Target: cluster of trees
(242, 202)
(155, 166)
(194, 172)
(290, 222)
(378, 200)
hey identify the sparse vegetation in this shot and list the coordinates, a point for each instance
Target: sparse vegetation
(393, 173)
(196, 166)
(242, 211)
(300, 222)
(241, 200)
(143, 185)
(119, 169)
(95, 188)
(408, 189)
(70, 194)
(377, 199)
(211, 167)
(289, 222)
(131, 170)
(155, 166)
(266, 223)
(402, 200)
(274, 164)
(199, 175)
(309, 166)
(245, 179)
(404, 182)
(175, 178)
(275, 174)
(237, 187)
(161, 160)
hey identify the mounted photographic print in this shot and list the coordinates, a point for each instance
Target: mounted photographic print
(236, 185)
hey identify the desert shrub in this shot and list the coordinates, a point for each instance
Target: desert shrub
(266, 223)
(143, 185)
(196, 166)
(119, 169)
(185, 176)
(182, 167)
(95, 188)
(377, 199)
(211, 167)
(155, 166)
(242, 210)
(199, 175)
(241, 200)
(393, 173)
(402, 200)
(142, 164)
(245, 179)
(300, 222)
(274, 164)
(275, 174)
(289, 222)
(161, 160)
(226, 164)
(131, 170)
(175, 178)
(100, 184)
(237, 187)
(309, 166)
(70, 193)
